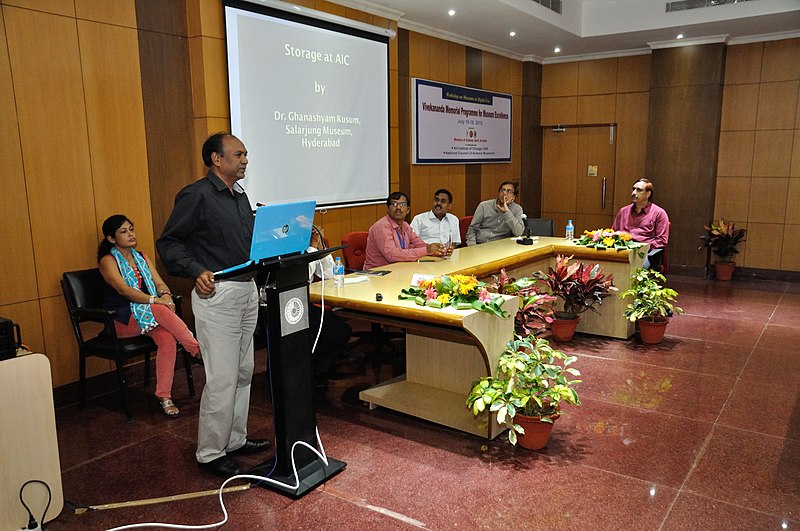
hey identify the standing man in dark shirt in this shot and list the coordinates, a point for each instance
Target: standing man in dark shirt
(210, 229)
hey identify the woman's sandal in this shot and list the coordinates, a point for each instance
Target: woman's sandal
(168, 407)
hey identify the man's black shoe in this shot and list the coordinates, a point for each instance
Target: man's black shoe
(223, 466)
(251, 446)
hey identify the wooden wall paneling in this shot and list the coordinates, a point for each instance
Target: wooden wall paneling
(773, 101)
(687, 66)
(790, 255)
(173, 157)
(562, 110)
(401, 159)
(394, 104)
(596, 109)
(732, 200)
(739, 107)
(560, 79)
(17, 281)
(419, 189)
(794, 170)
(473, 75)
(330, 7)
(172, 18)
(215, 76)
(29, 318)
(438, 65)
(736, 153)
(55, 7)
(418, 55)
(52, 117)
(396, 154)
(456, 63)
(117, 13)
(631, 139)
(360, 16)
(763, 246)
(598, 76)
(681, 162)
(440, 178)
(766, 200)
(559, 166)
(455, 184)
(633, 73)
(115, 119)
(743, 63)
(362, 218)
(781, 60)
(531, 139)
(772, 153)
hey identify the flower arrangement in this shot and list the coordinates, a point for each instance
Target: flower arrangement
(581, 287)
(462, 292)
(723, 239)
(602, 239)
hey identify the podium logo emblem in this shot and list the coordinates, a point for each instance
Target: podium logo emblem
(293, 311)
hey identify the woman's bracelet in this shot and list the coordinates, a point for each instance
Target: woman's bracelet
(165, 292)
(152, 299)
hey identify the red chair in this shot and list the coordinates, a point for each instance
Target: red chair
(356, 251)
(463, 225)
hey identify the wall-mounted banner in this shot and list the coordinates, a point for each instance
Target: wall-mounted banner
(459, 125)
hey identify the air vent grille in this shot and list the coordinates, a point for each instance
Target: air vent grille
(552, 5)
(683, 5)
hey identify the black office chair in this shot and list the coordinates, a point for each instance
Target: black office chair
(83, 292)
(538, 227)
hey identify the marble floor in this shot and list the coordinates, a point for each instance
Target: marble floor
(699, 432)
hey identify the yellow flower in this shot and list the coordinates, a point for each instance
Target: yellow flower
(444, 298)
(625, 237)
(608, 241)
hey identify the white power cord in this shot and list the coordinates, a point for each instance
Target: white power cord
(321, 455)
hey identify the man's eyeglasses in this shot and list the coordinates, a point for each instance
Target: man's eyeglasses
(398, 204)
(507, 191)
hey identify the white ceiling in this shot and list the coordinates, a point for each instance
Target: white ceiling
(586, 28)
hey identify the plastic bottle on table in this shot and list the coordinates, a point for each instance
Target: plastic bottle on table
(338, 273)
(570, 230)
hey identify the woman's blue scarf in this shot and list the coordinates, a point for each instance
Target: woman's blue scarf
(141, 312)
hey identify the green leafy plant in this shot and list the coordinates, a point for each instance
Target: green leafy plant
(723, 239)
(532, 379)
(535, 308)
(581, 287)
(651, 300)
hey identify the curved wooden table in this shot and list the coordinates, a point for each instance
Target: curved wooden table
(447, 349)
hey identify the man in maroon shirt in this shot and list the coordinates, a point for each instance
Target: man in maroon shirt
(646, 222)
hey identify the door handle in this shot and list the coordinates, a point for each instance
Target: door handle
(603, 195)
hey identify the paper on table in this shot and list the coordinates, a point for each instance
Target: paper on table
(355, 280)
(419, 276)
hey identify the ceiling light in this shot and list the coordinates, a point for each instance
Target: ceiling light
(513, 33)
(451, 12)
(680, 36)
(557, 49)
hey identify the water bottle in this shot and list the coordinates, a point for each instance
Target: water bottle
(570, 230)
(338, 273)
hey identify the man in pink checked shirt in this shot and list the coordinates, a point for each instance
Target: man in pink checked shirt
(392, 240)
(646, 222)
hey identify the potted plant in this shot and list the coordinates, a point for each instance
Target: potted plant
(580, 286)
(722, 239)
(532, 382)
(535, 308)
(652, 305)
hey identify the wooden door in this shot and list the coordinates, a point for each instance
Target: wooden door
(568, 189)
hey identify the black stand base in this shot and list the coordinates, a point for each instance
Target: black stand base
(311, 476)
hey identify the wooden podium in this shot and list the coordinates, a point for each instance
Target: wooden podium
(28, 443)
(291, 378)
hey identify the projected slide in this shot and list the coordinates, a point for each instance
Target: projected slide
(312, 106)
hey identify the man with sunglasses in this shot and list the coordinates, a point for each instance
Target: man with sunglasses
(392, 240)
(499, 218)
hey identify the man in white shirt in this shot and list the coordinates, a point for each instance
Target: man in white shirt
(438, 225)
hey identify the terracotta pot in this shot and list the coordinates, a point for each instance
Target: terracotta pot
(564, 329)
(537, 433)
(652, 332)
(724, 270)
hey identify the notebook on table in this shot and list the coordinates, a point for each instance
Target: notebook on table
(279, 231)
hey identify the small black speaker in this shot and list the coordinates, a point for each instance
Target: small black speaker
(8, 344)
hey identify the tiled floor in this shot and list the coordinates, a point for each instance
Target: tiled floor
(700, 432)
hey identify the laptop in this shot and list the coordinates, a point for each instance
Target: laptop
(279, 230)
